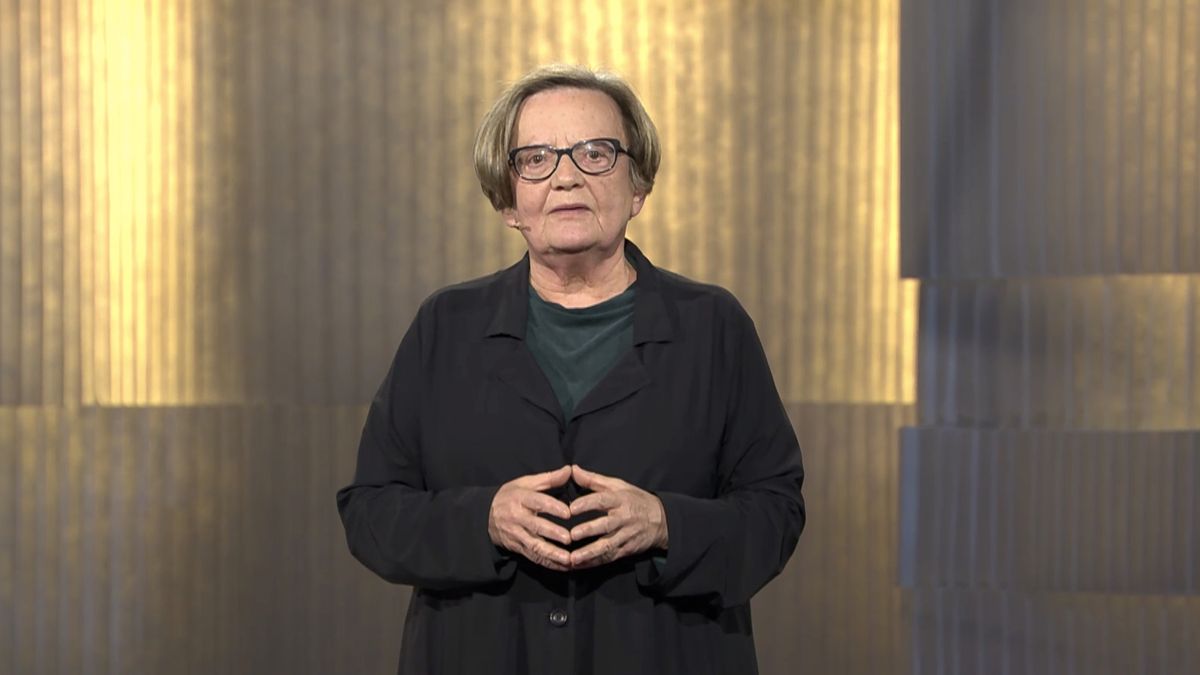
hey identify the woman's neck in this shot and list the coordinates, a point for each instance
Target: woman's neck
(576, 282)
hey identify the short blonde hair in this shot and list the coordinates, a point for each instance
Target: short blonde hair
(495, 136)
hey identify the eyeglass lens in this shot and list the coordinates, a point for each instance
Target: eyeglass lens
(592, 157)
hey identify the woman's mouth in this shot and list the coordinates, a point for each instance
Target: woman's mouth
(570, 208)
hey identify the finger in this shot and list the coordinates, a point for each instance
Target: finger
(546, 480)
(548, 530)
(601, 551)
(539, 502)
(592, 555)
(591, 479)
(544, 553)
(592, 528)
(597, 501)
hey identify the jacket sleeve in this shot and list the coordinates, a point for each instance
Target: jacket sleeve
(726, 548)
(405, 533)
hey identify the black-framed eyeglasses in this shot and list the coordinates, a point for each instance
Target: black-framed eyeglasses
(594, 156)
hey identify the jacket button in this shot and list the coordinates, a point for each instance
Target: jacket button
(558, 618)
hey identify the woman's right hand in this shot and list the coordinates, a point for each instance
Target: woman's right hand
(515, 521)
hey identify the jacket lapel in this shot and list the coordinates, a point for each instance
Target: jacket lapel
(505, 332)
(653, 321)
(518, 369)
(622, 381)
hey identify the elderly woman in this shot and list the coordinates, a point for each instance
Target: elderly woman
(580, 463)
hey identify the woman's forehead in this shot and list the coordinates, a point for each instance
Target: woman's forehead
(564, 116)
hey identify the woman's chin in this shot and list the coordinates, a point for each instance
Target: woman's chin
(572, 246)
(565, 242)
(577, 238)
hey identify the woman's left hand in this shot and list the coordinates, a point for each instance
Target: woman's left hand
(633, 520)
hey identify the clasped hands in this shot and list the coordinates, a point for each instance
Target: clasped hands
(632, 519)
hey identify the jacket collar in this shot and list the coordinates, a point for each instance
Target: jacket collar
(654, 318)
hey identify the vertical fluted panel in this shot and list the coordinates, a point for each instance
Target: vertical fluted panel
(1061, 511)
(840, 607)
(218, 217)
(961, 631)
(163, 540)
(209, 202)
(1048, 507)
(1051, 137)
(1097, 352)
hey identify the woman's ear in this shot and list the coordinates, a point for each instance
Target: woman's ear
(635, 207)
(510, 218)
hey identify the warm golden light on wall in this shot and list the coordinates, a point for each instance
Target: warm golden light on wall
(780, 153)
(232, 211)
(217, 219)
(152, 178)
(124, 173)
(142, 91)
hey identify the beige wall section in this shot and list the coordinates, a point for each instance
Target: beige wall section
(167, 540)
(110, 206)
(216, 202)
(218, 217)
(200, 539)
(837, 607)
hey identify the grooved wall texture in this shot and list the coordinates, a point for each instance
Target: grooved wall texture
(218, 216)
(1050, 494)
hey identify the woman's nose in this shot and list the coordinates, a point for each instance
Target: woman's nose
(566, 174)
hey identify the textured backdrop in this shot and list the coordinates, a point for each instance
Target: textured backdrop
(1051, 492)
(218, 216)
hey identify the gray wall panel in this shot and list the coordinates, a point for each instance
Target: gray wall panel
(1061, 511)
(1048, 497)
(966, 631)
(1050, 138)
(1103, 352)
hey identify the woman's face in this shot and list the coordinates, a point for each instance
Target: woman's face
(571, 211)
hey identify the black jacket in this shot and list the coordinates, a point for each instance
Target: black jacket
(690, 413)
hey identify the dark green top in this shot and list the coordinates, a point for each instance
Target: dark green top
(576, 347)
